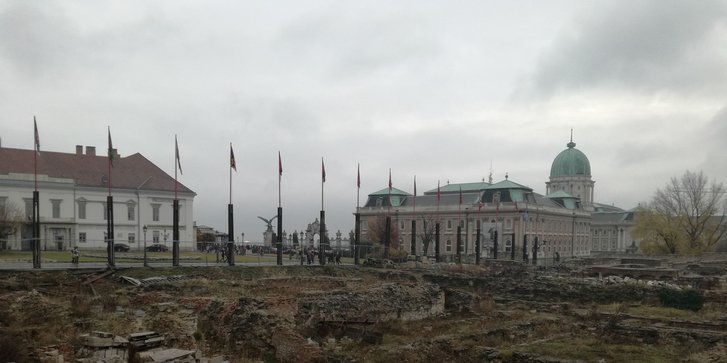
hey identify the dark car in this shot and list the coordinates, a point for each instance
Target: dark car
(121, 247)
(157, 248)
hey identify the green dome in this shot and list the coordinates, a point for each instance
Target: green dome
(570, 162)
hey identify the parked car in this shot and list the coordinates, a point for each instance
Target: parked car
(121, 247)
(157, 248)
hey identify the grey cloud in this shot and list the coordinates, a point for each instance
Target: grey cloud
(345, 44)
(646, 45)
(36, 39)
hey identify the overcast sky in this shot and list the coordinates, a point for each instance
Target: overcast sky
(437, 89)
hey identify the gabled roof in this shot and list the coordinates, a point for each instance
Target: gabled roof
(394, 191)
(600, 207)
(507, 184)
(560, 194)
(131, 172)
(454, 188)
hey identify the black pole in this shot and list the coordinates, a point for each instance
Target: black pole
(459, 244)
(322, 240)
(279, 244)
(413, 237)
(535, 251)
(477, 247)
(436, 242)
(387, 237)
(525, 248)
(36, 230)
(175, 232)
(494, 247)
(231, 236)
(110, 231)
(357, 238)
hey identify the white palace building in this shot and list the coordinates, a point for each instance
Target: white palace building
(566, 221)
(73, 190)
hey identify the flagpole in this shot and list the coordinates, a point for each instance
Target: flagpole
(357, 226)
(230, 174)
(414, 221)
(279, 237)
(36, 200)
(230, 217)
(175, 207)
(36, 143)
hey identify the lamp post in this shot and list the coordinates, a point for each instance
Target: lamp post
(144, 229)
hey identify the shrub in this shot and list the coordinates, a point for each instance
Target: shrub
(682, 299)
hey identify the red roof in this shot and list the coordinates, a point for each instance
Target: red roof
(131, 172)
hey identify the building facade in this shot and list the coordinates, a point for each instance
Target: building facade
(73, 188)
(567, 222)
(507, 211)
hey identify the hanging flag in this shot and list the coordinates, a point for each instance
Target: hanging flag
(389, 180)
(280, 165)
(415, 185)
(323, 170)
(37, 138)
(176, 155)
(358, 176)
(232, 158)
(111, 149)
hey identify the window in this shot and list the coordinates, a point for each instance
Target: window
(155, 237)
(449, 224)
(56, 204)
(448, 245)
(29, 208)
(82, 209)
(130, 211)
(82, 237)
(155, 212)
(105, 211)
(132, 238)
(364, 225)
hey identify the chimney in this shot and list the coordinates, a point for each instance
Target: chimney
(79, 149)
(91, 150)
(115, 153)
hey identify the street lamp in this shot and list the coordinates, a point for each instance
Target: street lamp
(145, 263)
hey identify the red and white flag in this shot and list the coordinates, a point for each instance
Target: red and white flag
(233, 164)
(389, 180)
(37, 137)
(323, 170)
(176, 155)
(111, 149)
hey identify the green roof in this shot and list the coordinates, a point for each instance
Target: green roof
(560, 194)
(394, 191)
(507, 184)
(454, 188)
(569, 162)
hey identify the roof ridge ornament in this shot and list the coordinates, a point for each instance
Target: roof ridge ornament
(571, 144)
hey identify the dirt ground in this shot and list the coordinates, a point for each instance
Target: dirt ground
(496, 312)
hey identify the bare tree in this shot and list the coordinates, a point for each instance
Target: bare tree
(11, 219)
(689, 215)
(377, 231)
(427, 235)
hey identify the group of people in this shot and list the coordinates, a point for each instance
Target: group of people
(310, 256)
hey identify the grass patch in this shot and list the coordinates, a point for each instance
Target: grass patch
(649, 311)
(591, 349)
